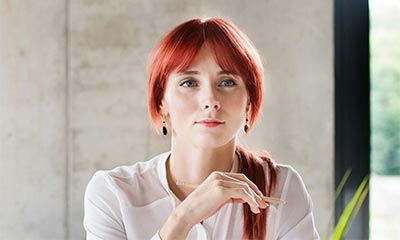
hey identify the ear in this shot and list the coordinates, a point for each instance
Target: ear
(163, 109)
(248, 105)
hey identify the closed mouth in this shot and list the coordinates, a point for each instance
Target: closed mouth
(210, 122)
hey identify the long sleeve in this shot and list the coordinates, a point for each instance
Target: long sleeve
(296, 219)
(103, 218)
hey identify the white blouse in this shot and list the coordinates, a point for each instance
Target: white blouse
(133, 202)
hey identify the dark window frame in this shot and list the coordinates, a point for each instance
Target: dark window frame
(352, 106)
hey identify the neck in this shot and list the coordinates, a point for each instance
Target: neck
(193, 165)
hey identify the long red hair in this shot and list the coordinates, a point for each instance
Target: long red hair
(233, 52)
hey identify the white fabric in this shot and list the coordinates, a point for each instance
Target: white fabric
(133, 202)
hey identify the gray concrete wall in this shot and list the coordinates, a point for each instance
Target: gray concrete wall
(73, 98)
(33, 169)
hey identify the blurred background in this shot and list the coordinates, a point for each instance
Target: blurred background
(73, 100)
(385, 119)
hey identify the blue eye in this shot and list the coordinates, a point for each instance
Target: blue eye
(228, 83)
(189, 83)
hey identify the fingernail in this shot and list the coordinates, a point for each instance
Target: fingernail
(262, 203)
(264, 206)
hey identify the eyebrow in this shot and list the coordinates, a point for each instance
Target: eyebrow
(194, 72)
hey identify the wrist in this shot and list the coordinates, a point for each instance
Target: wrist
(184, 215)
(177, 225)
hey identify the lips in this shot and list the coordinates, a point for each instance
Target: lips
(210, 122)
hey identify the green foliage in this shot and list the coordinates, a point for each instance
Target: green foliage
(352, 208)
(385, 90)
(342, 182)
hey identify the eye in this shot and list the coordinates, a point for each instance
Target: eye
(228, 83)
(189, 83)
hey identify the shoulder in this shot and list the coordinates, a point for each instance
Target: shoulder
(123, 181)
(291, 185)
(284, 173)
(288, 174)
(294, 218)
(125, 173)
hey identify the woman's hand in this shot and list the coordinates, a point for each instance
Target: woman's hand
(218, 189)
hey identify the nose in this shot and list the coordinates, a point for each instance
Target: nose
(214, 105)
(210, 101)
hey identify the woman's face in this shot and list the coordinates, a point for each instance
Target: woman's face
(204, 105)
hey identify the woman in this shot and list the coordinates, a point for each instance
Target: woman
(205, 86)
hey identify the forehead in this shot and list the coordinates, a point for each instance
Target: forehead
(205, 59)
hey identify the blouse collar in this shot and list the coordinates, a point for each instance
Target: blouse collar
(162, 172)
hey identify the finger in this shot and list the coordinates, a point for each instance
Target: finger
(243, 181)
(261, 202)
(239, 190)
(237, 200)
(235, 183)
(242, 177)
(236, 177)
(252, 187)
(244, 195)
(257, 195)
(242, 201)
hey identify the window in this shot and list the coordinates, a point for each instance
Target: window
(385, 119)
(352, 120)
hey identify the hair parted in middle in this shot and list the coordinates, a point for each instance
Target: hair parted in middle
(232, 50)
(235, 53)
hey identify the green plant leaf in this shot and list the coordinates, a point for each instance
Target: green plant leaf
(351, 210)
(342, 182)
(358, 205)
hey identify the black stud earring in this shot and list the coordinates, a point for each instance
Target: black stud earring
(164, 129)
(246, 127)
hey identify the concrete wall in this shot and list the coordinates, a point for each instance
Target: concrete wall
(73, 87)
(32, 120)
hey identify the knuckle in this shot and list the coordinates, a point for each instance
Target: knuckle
(217, 183)
(243, 176)
(246, 186)
(216, 175)
(244, 191)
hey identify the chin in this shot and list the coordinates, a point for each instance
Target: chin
(211, 142)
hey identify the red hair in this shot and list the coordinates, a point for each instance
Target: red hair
(233, 51)
(252, 165)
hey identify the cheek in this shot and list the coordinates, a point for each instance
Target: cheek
(237, 103)
(179, 107)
